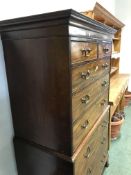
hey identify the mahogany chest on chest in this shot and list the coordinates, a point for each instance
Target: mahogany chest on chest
(58, 68)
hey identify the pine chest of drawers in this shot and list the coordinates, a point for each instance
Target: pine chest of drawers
(58, 68)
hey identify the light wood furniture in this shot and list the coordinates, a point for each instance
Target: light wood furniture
(58, 68)
(118, 82)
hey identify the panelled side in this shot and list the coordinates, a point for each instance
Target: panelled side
(39, 86)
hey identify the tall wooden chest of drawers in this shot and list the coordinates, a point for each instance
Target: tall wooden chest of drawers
(58, 68)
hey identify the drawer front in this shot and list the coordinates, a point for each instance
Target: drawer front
(102, 155)
(93, 151)
(104, 132)
(84, 75)
(83, 100)
(83, 51)
(100, 160)
(103, 136)
(82, 127)
(105, 50)
(85, 157)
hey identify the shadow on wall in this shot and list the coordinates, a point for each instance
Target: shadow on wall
(7, 160)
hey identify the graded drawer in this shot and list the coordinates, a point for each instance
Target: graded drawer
(82, 126)
(83, 51)
(98, 164)
(94, 150)
(85, 158)
(104, 132)
(82, 100)
(104, 50)
(84, 75)
(102, 154)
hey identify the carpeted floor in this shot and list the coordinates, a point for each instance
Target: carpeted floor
(120, 150)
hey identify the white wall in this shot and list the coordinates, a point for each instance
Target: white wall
(123, 12)
(7, 162)
(13, 9)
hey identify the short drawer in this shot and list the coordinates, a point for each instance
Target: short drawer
(83, 51)
(84, 99)
(93, 152)
(84, 75)
(104, 50)
(82, 127)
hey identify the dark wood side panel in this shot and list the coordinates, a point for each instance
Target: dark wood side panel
(34, 161)
(39, 86)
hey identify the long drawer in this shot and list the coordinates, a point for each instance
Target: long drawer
(83, 76)
(82, 127)
(98, 161)
(94, 150)
(102, 154)
(82, 101)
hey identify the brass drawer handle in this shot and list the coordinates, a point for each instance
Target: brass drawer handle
(85, 75)
(104, 155)
(89, 172)
(85, 99)
(86, 52)
(105, 66)
(96, 68)
(104, 124)
(104, 84)
(88, 153)
(85, 125)
(104, 102)
(103, 141)
(106, 50)
(102, 161)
